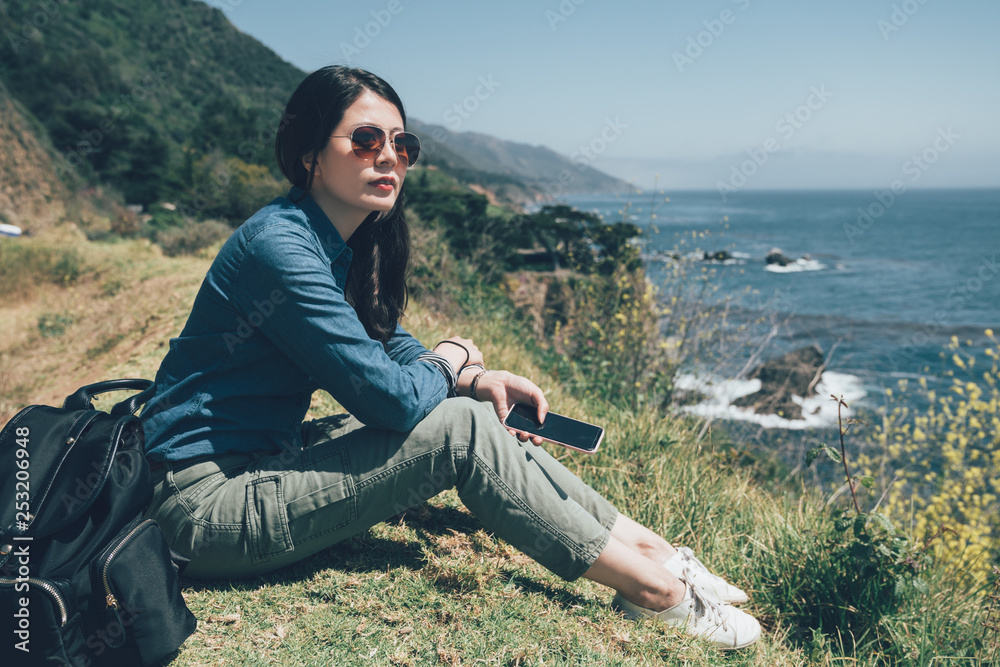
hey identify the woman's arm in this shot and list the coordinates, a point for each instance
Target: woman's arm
(403, 348)
(314, 326)
(460, 352)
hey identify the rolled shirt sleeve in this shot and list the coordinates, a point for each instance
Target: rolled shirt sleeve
(402, 347)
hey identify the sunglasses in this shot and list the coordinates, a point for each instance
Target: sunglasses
(368, 141)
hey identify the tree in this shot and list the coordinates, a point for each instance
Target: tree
(583, 241)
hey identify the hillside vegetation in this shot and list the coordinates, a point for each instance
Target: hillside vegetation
(31, 193)
(135, 93)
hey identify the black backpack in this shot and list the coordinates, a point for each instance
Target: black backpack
(84, 578)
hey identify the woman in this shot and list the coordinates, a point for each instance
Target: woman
(308, 294)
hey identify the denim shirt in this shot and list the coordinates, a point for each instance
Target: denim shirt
(269, 326)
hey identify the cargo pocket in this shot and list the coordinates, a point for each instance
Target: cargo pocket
(330, 508)
(267, 519)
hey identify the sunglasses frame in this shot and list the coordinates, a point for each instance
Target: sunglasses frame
(369, 153)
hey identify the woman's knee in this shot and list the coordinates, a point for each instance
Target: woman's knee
(469, 425)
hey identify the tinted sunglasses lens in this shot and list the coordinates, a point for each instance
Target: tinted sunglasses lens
(367, 142)
(407, 147)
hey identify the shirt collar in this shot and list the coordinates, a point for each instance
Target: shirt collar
(329, 238)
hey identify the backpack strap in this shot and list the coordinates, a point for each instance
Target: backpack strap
(68, 453)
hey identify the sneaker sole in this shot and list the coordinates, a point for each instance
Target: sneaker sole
(638, 616)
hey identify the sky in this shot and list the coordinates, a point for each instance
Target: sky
(714, 94)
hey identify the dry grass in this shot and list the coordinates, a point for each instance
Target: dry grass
(114, 319)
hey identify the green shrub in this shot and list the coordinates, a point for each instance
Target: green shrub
(164, 216)
(485, 237)
(25, 263)
(126, 223)
(583, 241)
(608, 342)
(229, 189)
(53, 325)
(860, 569)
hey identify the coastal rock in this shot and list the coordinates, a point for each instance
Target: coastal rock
(717, 256)
(792, 374)
(775, 256)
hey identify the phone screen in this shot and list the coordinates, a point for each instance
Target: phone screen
(557, 428)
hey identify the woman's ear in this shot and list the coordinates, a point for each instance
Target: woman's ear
(308, 161)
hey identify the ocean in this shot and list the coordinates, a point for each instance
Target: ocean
(880, 282)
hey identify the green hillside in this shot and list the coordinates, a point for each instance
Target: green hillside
(132, 93)
(30, 190)
(515, 171)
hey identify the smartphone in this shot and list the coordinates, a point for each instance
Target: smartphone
(561, 430)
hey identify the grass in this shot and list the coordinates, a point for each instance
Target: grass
(432, 587)
(113, 319)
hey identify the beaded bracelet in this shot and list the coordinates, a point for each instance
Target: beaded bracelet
(475, 383)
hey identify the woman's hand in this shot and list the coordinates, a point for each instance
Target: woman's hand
(454, 349)
(503, 389)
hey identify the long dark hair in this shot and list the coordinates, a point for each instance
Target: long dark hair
(376, 281)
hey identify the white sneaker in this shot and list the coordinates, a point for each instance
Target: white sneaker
(723, 625)
(710, 585)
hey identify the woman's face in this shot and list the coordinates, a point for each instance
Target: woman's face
(349, 188)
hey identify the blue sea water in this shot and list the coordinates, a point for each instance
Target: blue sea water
(887, 283)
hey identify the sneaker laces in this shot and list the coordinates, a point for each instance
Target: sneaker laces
(704, 606)
(688, 555)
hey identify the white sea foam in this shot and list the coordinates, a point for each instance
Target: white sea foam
(819, 411)
(799, 265)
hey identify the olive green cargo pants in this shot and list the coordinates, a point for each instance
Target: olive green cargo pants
(242, 515)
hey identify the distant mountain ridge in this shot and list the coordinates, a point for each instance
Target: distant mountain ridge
(548, 173)
(141, 95)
